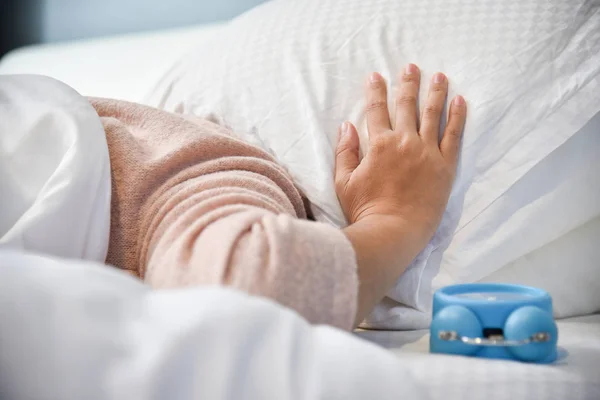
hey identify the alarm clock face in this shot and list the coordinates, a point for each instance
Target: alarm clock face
(493, 296)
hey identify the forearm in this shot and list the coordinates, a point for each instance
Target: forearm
(381, 257)
(307, 266)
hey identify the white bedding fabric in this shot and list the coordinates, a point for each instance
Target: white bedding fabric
(74, 330)
(286, 74)
(124, 67)
(574, 375)
(78, 330)
(54, 170)
(578, 252)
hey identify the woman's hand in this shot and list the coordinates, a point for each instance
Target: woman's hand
(407, 172)
(394, 198)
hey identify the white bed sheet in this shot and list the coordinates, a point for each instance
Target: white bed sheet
(575, 376)
(124, 67)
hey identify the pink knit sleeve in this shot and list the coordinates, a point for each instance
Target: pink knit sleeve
(192, 205)
(228, 230)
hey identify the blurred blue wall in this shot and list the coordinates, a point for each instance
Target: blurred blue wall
(73, 19)
(24, 22)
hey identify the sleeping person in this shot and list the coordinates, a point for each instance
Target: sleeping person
(192, 205)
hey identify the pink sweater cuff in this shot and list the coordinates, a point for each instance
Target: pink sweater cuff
(323, 286)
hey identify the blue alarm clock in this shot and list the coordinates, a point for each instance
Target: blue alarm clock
(494, 320)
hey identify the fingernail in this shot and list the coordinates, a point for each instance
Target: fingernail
(375, 77)
(459, 101)
(345, 128)
(410, 69)
(438, 78)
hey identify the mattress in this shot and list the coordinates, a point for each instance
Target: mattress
(124, 67)
(574, 376)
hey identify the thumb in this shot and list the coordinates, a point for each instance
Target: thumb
(346, 154)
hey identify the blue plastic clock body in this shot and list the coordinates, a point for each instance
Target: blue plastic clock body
(514, 313)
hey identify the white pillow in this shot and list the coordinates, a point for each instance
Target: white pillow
(578, 253)
(553, 210)
(286, 74)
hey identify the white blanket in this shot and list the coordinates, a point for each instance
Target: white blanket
(55, 180)
(78, 330)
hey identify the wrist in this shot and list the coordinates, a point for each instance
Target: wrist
(389, 234)
(387, 243)
(384, 247)
(371, 238)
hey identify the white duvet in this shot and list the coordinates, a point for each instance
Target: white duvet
(54, 170)
(74, 330)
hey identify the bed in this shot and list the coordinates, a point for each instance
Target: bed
(96, 68)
